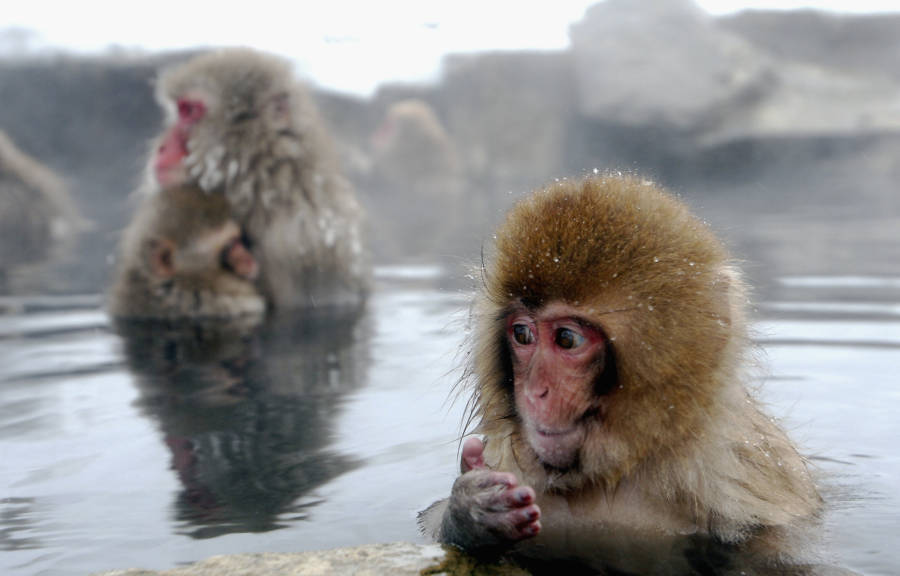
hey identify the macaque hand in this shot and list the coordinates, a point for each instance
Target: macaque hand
(488, 510)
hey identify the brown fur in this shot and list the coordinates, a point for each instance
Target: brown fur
(182, 216)
(682, 444)
(263, 146)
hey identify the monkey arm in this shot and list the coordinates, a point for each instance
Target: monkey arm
(430, 519)
(487, 512)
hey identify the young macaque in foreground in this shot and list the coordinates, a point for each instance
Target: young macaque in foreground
(184, 257)
(609, 370)
(239, 126)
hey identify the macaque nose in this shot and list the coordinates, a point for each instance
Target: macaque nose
(537, 391)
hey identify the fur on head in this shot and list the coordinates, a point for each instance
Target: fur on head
(657, 282)
(259, 137)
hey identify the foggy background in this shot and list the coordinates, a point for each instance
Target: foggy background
(781, 128)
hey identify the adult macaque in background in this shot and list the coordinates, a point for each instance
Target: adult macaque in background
(417, 185)
(184, 257)
(239, 126)
(37, 216)
(609, 371)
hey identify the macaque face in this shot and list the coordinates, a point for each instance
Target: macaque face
(557, 358)
(224, 110)
(219, 252)
(168, 165)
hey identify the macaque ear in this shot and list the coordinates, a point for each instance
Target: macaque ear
(161, 257)
(726, 288)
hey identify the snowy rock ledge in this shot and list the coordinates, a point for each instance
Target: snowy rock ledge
(395, 559)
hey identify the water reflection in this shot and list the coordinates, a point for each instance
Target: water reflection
(246, 412)
(16, 530)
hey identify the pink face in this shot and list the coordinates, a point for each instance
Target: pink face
(167, 165)
(557, 357)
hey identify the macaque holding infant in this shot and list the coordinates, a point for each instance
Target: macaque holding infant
(608, 373)
(240, 128)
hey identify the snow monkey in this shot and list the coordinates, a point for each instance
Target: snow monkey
(238, 125)
(608, 369)
(184, 257)
(38, 219)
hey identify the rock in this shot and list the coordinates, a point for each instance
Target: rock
(660, 61)
(396, 559)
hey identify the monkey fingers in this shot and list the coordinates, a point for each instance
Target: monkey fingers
(511, 523)
(487, 481)
(472, 455)
(499, 505)
(237, 258)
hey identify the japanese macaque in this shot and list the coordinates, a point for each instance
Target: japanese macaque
(415, 165)
(609, 370)
(184, 257)
(37, 216)
(239, 126)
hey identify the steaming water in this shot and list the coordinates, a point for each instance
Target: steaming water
(135, 447)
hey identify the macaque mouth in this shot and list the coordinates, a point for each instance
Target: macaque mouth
(557, 448)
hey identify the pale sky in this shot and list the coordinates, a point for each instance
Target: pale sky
(347, 45)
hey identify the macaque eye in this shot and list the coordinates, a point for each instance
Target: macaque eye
(568, 339)
(190, 110)
(522, 334)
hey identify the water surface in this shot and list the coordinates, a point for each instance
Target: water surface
(136, 446)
